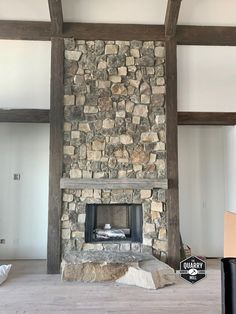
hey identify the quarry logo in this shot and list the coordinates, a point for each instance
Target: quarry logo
(192, 269)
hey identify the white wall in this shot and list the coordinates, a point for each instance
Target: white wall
(202, 187)
(206, 78)
(24, 149)
(25, 74)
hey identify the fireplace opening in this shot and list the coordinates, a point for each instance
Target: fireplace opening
(113, 222)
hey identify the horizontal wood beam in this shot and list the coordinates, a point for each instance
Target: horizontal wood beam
(24, 115)
(92, 31)
(206, 118)
(206, 35)
(55, 9)
(25, 30)
(126, 183)
(172, 14)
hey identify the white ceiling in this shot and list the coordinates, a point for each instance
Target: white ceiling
(197, 12)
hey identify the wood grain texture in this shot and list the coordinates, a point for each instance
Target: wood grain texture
(206, 35)
(206, 118)
(29, 290)
(56, 156)
(171, 18)
(55, 9)
(172, 155)
(25, 30)
(94, 31)
(24, 115)
(118, 184)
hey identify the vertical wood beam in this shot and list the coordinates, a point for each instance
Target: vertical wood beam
(172, 14)
(55, 9)
(172, 154)
(56, 156)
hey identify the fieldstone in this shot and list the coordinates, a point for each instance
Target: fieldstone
(145, 61)
(129, 106)
(75, 134)
(94, 155)
(160, 81)
(116, 61)
(98, 145)
(119, 89)
(136, 44)
(158, 89)
(71, 206)
(135, 52)
(125, 247)
(84, 127)
(115, 78)
(69, 43)
(140, 110)
(145, 99)
(111, 49)
(111, 247)
(148, 45)
(73, 55)
(162, 234)
(102, 65)
(69, 100)
(75, 173)
(65, 234)
(160, 52)
(139, 157)
(160, 245)
(147, 241)
(87, 193)
(149, 137)
(136, 120)
(135, 247)
(108, 124)
(160, 119)
(67, 126)
(92, 246)
(150, 274)
(77, 234)
(122, 71)
(90, 109)
(144, 194)
(134, 83)
(126, 139)
(80, 100)
(120, 114)
(145, 88)
(105, 104)
(155, 215)
(157, 206)
(149, 228)
(157, 100)
(69, 150)
(129, 61)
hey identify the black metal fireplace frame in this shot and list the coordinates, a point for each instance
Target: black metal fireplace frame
(136, 223)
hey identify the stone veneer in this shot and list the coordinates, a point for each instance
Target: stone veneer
(114, 127)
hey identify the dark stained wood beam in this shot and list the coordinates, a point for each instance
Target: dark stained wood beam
(56, 156)
(114, 31)
(25, 30)
(55, 9)
(24, 115)
(206, 118)
(172, 155)
(172, 14)
(206, 35)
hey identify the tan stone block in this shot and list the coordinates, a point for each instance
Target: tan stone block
(87, 193)
(69, 100)
(65, 217)
(97, 194)
(73, 55)
(158, 89)
(160, 81)
(147, 241)
(75, 173)
(122, 71)
(148, 45)
(132, 68)
(141, 110)
(149, 228)
(145, 194)
(135, 52)
(65, 234)
(102, 65)
(114, 139)
(104, 84)
(160, 146)
(108, 124)
(160, 164)
(75, 134)
(92, 247)
(160, 52)
(90, 109)
(71, 206)
(69, 150)
(152, 158)
(122, 174)
(84, 127)
(145, 99)
(157, 206)
(162, 234)
(115, 78)
(81, 218)
(139, 157)
(78, 234)
(126, 139)
(137, 167)
(65, 224)
(150, 70)
(87, 174)
(155, 215)
(111, 49)
(120, 114)
(119, 89)
(129, 106)
(67, 197)
(80, 100)
(129, 61)
(160, 119)
(94, 155)
(98, 175)
(98, 145)
(136, 120)
(134, 83)
(149, 137)
(160, 245)
(67, 126)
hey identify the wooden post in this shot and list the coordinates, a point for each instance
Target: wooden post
(56, 156)
(172, 154)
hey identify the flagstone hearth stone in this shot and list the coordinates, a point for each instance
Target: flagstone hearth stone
(137, 269)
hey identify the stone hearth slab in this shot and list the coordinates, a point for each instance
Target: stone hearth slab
(137, 269)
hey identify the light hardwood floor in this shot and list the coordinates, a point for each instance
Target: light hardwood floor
(29, 290)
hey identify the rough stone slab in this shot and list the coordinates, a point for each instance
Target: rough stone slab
(149, 274)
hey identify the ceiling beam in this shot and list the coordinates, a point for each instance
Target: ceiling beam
(172, 13)
(24, 115)
(55, 9)
(206, 118)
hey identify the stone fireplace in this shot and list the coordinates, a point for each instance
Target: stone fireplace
(114, 147)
